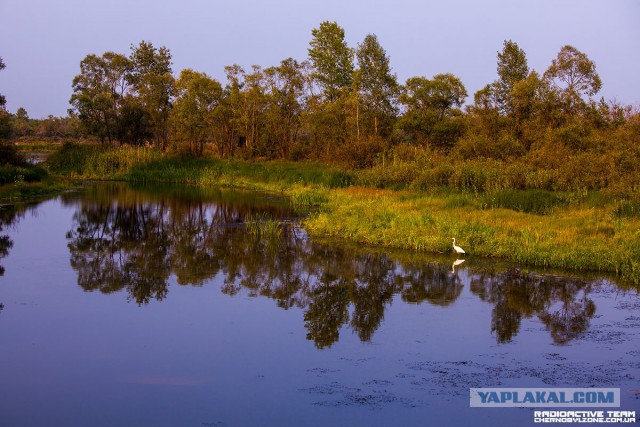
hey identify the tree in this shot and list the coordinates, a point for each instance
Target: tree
(22, 125)
(431, 107)
(285, 86)
(574, 75)
(98, 92)
(3, 100)
(254, 107)
(377, 85)
(152, 80)
(197, 97)
(332, 59)
(5, 117)
(512, 68)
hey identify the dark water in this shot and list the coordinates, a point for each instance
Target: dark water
(156, 307)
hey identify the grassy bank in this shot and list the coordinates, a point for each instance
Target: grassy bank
(572, 229)
(21, 180)
(574, 237)
(16, 192)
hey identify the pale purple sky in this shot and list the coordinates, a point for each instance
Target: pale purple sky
(42, 41)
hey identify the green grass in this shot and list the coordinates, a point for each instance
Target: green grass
(530, 201)
(263, 228)
(37, 145)
(573, 238)
(27, 191)
(96, 162)
(148, 165)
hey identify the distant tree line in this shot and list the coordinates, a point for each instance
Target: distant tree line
(20, 125)
(342, 103)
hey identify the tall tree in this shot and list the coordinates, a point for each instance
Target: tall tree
(574, 74)
(253, 108)
(152, 79)
(376, 82)
(512, 68)
(332, 59)
(285, 91)
(197, 97)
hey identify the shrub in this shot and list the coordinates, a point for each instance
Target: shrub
(531, 201)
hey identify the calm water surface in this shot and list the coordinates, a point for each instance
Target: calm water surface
(156, 307)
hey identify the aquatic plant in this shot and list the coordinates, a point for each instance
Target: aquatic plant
(261, 227)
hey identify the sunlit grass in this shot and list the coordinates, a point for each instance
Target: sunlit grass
(574, 238)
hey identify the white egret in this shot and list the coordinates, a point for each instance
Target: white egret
(458, 249)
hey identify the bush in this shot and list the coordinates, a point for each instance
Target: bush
(531, 201)
(627, 209)
(9, 155)
(363, 153)
(10, 174)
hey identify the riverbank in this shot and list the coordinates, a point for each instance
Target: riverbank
(18, 192)
(580, 230)
(22, 180)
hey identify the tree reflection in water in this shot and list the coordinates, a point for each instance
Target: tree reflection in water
(10, 215)
(136, 240)
(561, 303)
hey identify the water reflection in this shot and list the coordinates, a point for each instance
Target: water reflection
(561, 303)
(9, 216)
(136, 240)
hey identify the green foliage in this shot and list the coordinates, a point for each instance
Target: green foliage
(99, 91)
(376, 83)
(363, 153)
(480, 146)
(474, 200)
(13, 174)
(9, 155)
(305, 199)
(512, 68)
(194, 111)
(431, 109)
(14, 169)
(125, 99)
(92, 161)
(574, 74)
(332, 59)
(359, 115)
(5, 123)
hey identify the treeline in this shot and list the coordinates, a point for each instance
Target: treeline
(342, 104)
(20, 125)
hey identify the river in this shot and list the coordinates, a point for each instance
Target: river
(155, 306)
